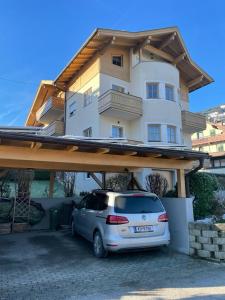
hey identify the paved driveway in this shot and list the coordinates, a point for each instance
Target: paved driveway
(52, 265)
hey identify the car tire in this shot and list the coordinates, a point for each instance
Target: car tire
(98, 246)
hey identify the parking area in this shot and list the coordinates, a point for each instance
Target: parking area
(53, 265)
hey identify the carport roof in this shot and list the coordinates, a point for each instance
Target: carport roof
(90, 146)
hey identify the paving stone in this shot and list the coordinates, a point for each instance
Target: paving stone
(209, 233)
(219, 241)
(204, 253)
(195, 232)
(203, 240)
(192, 238)
(192, 251)
(210, 247)
(195, 245)
(220, 255)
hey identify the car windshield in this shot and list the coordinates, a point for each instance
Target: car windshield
(138, 204)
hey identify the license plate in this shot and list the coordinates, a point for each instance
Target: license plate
(146, 228)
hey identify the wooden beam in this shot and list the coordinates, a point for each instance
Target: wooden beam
(51, 184)
(139, 46)
(179, 58)
(102, 150)
(159, 53)
(72, 148)
(195, 81)
(130, 153)
(168, 40)
(181, 183)
(106, 46)
(13, 156)
(98, 181)
(36, 146)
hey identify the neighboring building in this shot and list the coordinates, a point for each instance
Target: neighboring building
(132, 85)
(212, 141)
(215, 114)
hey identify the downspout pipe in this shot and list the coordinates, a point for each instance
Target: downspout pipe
(187, 176)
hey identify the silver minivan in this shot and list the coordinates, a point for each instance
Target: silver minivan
(115, 221)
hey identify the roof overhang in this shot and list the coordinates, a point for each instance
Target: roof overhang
(46, 89)
(166, 42)
(65, 154)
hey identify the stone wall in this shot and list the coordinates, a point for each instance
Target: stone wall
(207, 240)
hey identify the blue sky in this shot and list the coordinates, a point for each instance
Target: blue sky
(38, 37)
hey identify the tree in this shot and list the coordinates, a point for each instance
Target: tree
(202, 186)
(118, 182)
(68, 179)
(157, 184)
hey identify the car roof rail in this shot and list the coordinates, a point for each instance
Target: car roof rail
(102, 190)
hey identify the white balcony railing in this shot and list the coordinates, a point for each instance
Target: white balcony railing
(114, 103)
(52, 109)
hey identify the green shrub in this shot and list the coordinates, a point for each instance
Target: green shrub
(202, 186)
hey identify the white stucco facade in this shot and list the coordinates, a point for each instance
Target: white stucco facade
(157, 111)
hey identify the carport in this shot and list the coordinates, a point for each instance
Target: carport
(22, 151)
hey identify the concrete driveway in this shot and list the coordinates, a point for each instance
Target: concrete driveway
(52, 265)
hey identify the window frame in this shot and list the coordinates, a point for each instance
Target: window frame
(117, 126)
(169, 140)
(119, 86)
(159, 126)
(157, 91)
(87, 129)
(121, 57)
(88, 97)
(72, 111)
(167, 85)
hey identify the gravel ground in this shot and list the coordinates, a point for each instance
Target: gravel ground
(53, 265)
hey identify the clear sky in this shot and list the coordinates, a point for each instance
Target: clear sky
(38, 37)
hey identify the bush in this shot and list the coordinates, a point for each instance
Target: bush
(157, 184)
(202, 186)
(118, 182)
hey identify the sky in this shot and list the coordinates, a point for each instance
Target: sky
(39, 37)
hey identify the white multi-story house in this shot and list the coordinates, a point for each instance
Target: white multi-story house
(131, 85)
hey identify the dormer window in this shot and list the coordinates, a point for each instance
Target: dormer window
(117, 60)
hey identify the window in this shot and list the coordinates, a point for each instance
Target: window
(92, 203)
(87, 132)
(212, 132)
(169, 92)
(137, 205)
(154, 133)
(171, 134)
(200, 135)
(118, 88)
(117, 131)
(117, 60)
(220, 148)
(88, 97)
(72, 108)
(152, 90)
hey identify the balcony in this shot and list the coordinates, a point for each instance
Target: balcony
(116, 104)
(50, 111)
(56, 128)
(192, 122)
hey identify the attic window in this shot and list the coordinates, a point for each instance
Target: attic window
(117, 60)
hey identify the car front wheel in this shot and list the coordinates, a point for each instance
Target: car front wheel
(98, 246)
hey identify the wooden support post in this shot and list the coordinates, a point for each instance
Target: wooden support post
(51, 184)
(104, 180)
(181, 183)
(96, 179)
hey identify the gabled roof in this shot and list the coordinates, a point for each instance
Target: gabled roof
(166, 42)
(46, 89)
